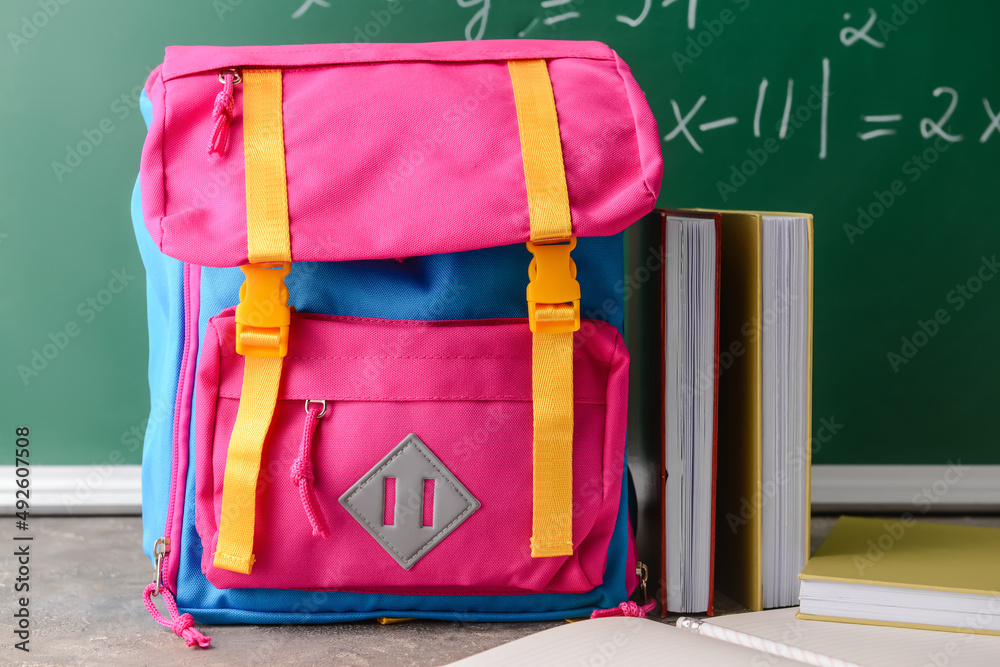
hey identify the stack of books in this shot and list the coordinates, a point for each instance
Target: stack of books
(736, 376)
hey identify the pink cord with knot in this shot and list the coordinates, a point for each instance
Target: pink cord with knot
(181, 624)
(222, 114)
(302, 472)
(626, 609)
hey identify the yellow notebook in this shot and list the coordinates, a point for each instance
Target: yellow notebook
(905, 573)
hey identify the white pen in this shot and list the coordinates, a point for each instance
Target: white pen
(761, 644)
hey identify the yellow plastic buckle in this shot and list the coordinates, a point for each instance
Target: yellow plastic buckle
(552, 276)
(263, 314)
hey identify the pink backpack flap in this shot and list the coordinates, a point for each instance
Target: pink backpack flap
(391, 150)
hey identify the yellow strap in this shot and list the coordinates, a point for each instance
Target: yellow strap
(239, 488)
(267, 241)
(552, 453)
(264, 150)
(541, 150)
(551, 353)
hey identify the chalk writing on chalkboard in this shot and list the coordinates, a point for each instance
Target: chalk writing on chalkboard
(850, 35)
(306, 5)
(819, 100)
(692, 12)
(476, 26)
(881, 124)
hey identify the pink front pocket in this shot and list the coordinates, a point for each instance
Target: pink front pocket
(421, 464)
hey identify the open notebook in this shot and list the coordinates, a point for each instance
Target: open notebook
(629, 642)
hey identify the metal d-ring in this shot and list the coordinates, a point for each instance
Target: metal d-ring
(232, 70)
(323, 402)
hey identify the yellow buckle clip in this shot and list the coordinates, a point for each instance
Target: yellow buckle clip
(263, 314)
(552, 276)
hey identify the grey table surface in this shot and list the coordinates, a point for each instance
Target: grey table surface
(87, 577)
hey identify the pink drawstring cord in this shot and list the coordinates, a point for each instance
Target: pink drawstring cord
(302, 472)
(626, 609)
(181, 624)
(222, 114)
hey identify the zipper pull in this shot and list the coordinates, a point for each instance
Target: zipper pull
(222, 112)
(642, 572)
(181, 624)
(302, 472)
(160, 549)
(629, 608)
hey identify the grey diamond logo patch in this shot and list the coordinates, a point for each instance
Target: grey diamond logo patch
(409, 501)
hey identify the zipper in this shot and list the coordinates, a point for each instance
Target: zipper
(175, 461)
(222, 111)
(181, 624)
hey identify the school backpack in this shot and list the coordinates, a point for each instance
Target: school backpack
(385, 291)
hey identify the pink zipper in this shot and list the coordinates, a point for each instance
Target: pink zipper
(182, 414)
(182, 424)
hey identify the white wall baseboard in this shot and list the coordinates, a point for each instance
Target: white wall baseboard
(919, 489)
(62, 490)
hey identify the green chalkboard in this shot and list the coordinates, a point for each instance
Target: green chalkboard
(905, 238)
